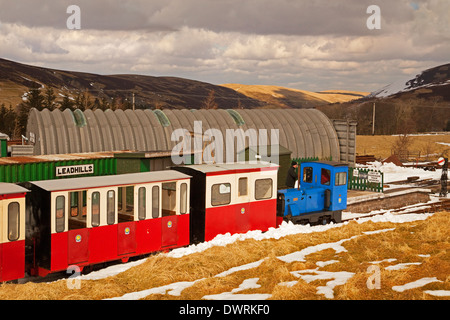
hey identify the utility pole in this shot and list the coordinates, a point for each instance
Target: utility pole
(444, 177)
(133, 102)
(373, 120)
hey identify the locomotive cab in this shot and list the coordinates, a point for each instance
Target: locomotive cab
(321, 197)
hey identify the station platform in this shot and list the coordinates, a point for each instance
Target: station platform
(366, 201)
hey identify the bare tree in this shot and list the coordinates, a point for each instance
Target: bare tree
(210, 101)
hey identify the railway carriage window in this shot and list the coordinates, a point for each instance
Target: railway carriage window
(155, 202)
(325, 177)
(84, 204)
(141, 203)
(13, 221)
(73, 198)
(242, 187)
(307, 174)
(111, 207)
(60, 208)
(220, 194)
(263, 189)
(168, 199)
(126, 203)
(183, 198)
(77, 209)
(341, 178)
(95, 209)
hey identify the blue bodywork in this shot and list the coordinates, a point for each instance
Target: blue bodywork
(321, 197)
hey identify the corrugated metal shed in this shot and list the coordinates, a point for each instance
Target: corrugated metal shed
(306, 132)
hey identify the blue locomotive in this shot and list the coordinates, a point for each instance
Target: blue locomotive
(321, 197)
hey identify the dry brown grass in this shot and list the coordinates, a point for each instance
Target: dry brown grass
(405, 243)
(381, 146)
(276, 94)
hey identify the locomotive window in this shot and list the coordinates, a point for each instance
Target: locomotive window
(242, 187)
(95, 209)
(307, 174)
(60, 213)
(141, 203)
(155, 202)
(325, 177)
(341, 178)
(111, 207)
(13, 221)
(220, 194)
(263, 189)
(183, 198)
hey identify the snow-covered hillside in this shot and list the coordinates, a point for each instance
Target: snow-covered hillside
(437, 76)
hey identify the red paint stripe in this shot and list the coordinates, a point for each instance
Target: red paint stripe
(12, 196)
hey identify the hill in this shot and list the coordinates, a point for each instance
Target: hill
(281, 97)
(16, 79)
(431, 82)
(414, 104)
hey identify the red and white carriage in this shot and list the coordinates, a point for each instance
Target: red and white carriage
(12, 231)
(85, 221)
(231, 198)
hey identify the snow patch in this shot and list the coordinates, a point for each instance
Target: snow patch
(251, 283)
(338, 278)
(415, 284)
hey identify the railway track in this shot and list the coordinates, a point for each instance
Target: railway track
(441, 205)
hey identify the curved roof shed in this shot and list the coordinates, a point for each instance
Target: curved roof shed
(306, 132)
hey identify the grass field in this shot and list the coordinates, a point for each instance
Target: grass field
(384, 254)
(429, 146)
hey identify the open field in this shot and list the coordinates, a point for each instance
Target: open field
(433, 145)
(408, 260)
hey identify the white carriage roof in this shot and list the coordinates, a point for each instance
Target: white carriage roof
(10, 188)
(115, 180)
(210, 168)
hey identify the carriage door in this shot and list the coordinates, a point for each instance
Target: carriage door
(169, 220)
(126, 229)
(12, 236)
(78, 235)
(242, 206)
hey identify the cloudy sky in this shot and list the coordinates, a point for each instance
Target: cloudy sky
(310, 45)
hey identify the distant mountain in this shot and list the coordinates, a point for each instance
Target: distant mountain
(414, 104)
(431, 82)
(16, 79)
(281, 97)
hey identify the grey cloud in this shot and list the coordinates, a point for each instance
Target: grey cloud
(290, 17)
(314, 45)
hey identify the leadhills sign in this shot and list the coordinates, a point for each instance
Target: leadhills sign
(75, 170)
